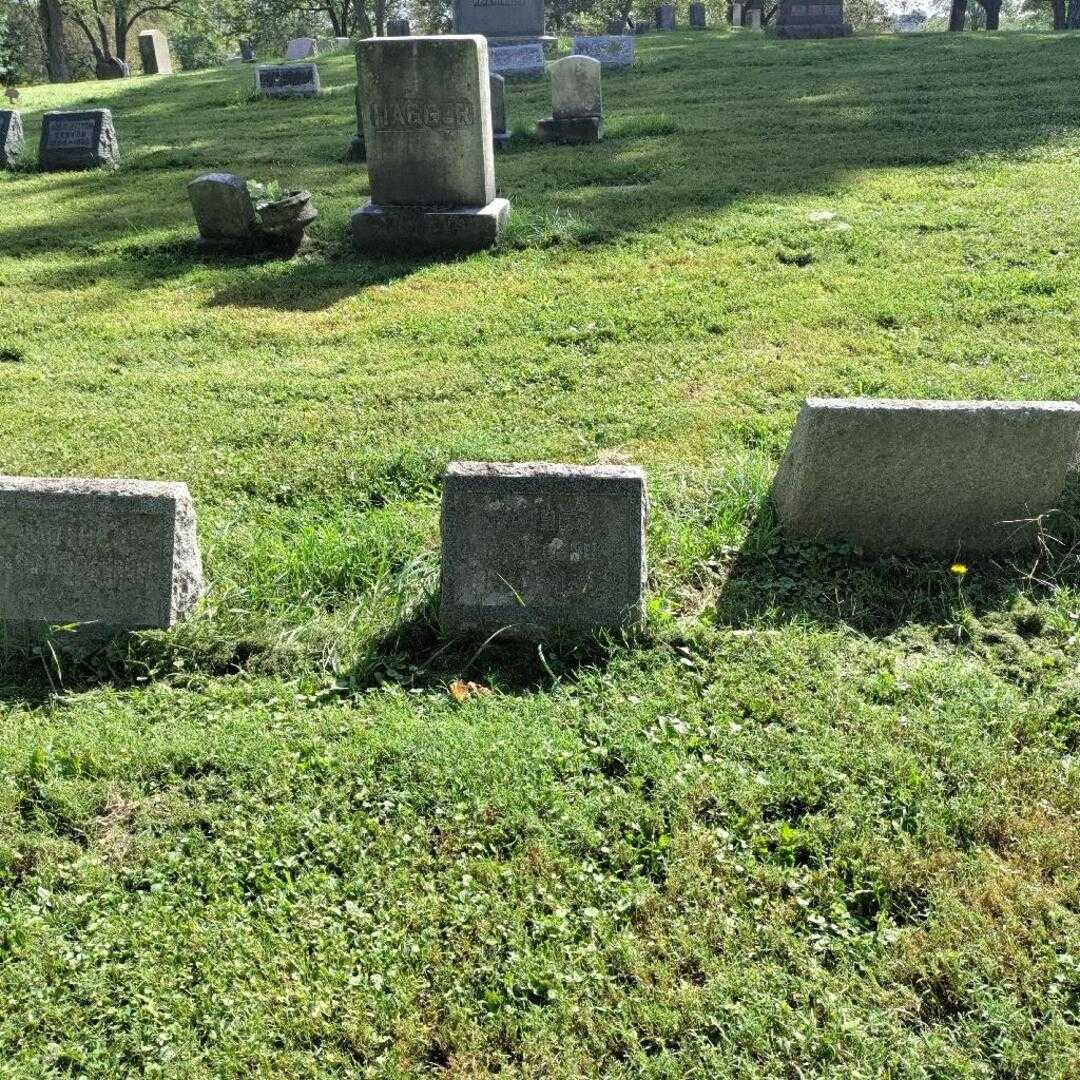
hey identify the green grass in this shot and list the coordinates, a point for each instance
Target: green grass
(821, 820)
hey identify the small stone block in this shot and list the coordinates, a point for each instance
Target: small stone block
(573, 131)
(523, 61)
(78, 140)
(223, 209)
(949, 476)
(108, 555)
(12, 142)
(536, 550)
(389, 229)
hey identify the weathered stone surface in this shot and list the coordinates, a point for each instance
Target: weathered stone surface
(108, 555)
(575, 88)
(427, 129)
(754, 22)
(519, 60)
(535, 550)
(699, 18)
(949, 476)
(642, 26)
(398, 28)
(11, 138)
(223, 208)
(303, 48)
(357, 150)
(287, 80)
(613, 51)
(154, 52)
(507, 20)
(823, 18)
(615, 27)
(665, 17)
(574, 131)
(78, 140)
(736, 14)
(499, 131)
(247, 51)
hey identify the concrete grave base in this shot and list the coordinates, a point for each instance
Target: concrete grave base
(948, 476)
(573, 130)
(420, 229)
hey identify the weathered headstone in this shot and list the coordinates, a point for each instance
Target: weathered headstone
(615, 27)
(821, 18)
(520, 60)
(358, 148)
(736, 14)
(577, 113)
(755, 18)
(303, 48)
(247, 51)
(642, 26)
(501, 22)
(499, 131)
(108, 555)
(611, 51)
(398, 28)
(154, 52)
(665, 17)
(287, 80)
(534, 550)
(11, 138)
(223, 209)
(427, 126)
(938, 475)
(78, 140)
(699, 18)
(342, 44)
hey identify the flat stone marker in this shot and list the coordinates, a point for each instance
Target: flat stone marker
(613, 51)
(427, 128)
(78, 140)
(223, 209)
(499, 131)
(526, 61)
(542, 549)
(11, 138)
(303, 48)
(398, 28)
(699, 18)
(287, 80)
(795, 19)
(577, 111)
(504, 21)
(665, 17)
(947, 476)
(154, 52)
(109, 555)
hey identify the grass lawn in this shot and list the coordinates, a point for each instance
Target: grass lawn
(821, 820)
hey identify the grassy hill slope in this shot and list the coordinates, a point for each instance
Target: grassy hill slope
(822, 820)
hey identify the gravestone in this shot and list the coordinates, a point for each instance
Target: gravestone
(642, 26)
(247, 51)
(534, 550)
(577, 113)
(357, 148)
(736, 14)
(947, 476)
(11, 138)
(755, 18)
(502, 22)
(108, 555)
(615, 27)
(665, 17)
(427, 126)
(500, 133)
(520, 60)
(797, 19)
(302, 48)
(611, 51)
(398, 28)
(223, 210)
(698, 17)
(154, 52)
(287, 80)
(341, 44)
(78, 140)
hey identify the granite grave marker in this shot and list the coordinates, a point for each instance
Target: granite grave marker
(577, 114)
(154, 52)
(287, 80)
(78, 140)
(11, 138)
(613, 51)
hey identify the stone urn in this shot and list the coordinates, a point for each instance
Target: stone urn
(287, 218)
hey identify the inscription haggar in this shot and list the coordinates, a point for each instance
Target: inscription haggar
(415, 115)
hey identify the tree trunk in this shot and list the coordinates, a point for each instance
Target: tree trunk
(993, 13)
(51, 19)
(957, 14)
(1059, 14)
(120, 31)
(1073, 20)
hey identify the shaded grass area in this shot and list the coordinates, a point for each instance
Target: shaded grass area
(820, 819)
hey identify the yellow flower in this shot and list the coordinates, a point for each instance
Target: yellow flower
(959, 569)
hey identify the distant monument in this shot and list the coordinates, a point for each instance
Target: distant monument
(302, 48)
(154, 52)
(506, 22)
(795, 19)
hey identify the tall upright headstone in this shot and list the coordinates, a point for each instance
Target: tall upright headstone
(427, 128)
(11, 138)
(78, 140)
(698, 17)
(499, 130)
(818, 18)
(154, 52)
(736, 14)
(502, 22)
(665, 17)
(755, 18)
(577, 111)
(357, 150)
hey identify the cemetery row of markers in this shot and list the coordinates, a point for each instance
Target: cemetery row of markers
(536, 550)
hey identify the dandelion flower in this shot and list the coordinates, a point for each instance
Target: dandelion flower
(958, 568)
